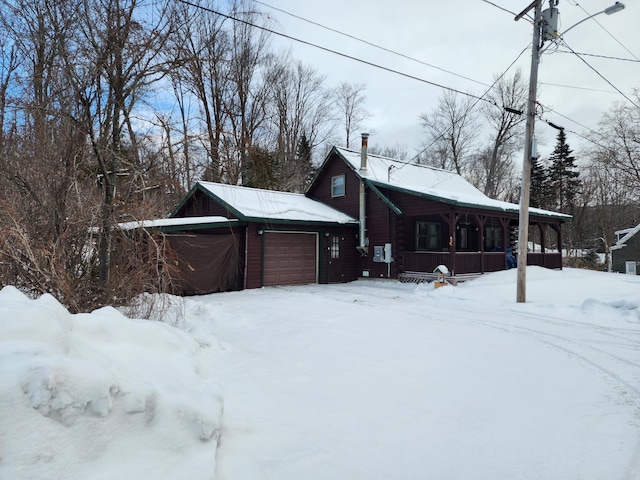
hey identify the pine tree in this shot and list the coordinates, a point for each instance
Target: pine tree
(305, 164)
(563, 176)
(539, 194)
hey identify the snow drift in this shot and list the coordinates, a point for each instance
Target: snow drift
(102, 396)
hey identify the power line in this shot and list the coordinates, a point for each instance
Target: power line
(353, 37)
(474, 104)
(600, 75)
(602, 56)
(350, 57)
(329, 50)
(504, 9)
(576, 88)
(608, 32)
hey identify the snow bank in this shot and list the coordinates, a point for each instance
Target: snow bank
(102, 396)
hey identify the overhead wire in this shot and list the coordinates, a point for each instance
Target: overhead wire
(601, 75)
(608, 57)
(474, 104)
(576, 87)
(397, 72)
(506, 10)
(608, 32)
(490, 87)
(329, 50)
(371, 44)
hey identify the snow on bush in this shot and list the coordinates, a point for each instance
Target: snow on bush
(102, 396)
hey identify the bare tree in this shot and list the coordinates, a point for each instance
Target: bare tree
(9, 63)
(451, 128)
(200, 55)
(396, 151)
(506, 134)
(350, 99)
(120, 50)
(618, 146)
(75, 71)
(249, 91)
(301, 106)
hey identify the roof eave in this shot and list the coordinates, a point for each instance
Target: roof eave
(201, 226)
(184, 200)
(458, 203)
(321, 167)
(318, 223)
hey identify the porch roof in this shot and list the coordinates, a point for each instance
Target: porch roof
(429, 182)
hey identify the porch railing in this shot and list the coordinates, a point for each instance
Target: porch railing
(470, 262)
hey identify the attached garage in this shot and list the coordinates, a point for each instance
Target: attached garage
(290, 258)
(278, 238)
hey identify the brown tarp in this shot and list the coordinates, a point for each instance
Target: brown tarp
(207, 263)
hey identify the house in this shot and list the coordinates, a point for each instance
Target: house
(625, 254)
(362, 216)
(427, 217)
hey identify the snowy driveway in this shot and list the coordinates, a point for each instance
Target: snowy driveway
(384, 380)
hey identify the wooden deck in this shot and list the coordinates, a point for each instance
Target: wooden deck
(422, 277)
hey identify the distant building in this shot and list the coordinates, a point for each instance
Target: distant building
(625, 254)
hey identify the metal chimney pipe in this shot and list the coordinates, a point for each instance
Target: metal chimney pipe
(363, 247)
(363, 151)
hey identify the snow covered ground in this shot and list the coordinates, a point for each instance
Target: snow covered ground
(372, 379)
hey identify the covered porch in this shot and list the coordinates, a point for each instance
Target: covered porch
(474, 244)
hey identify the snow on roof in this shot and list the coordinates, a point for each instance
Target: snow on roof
(255, 203)
(173, 222)
(629, 232)
(442, 184)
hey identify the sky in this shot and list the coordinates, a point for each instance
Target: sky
(370, 379)
(472, 39)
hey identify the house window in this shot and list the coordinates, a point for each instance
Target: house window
(492, 239)
(335, 247)
(427, 235)
(464, 238)
(337, 186)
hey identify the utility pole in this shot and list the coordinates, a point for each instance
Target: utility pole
(548, 26)
(523, 230)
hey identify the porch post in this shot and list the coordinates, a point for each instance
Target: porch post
(504, 222)
(452, 220)
(481, 220)
(559, 230)
(543, 230)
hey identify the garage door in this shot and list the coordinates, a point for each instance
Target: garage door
(289, 258)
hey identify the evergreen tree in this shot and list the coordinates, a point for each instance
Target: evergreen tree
(259, 170)
(539, 194)
(563, 176)
(304, 163)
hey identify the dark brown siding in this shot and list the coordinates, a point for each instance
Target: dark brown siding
(379, 221)
(321, 189)
(254, 257)
(201, 205)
